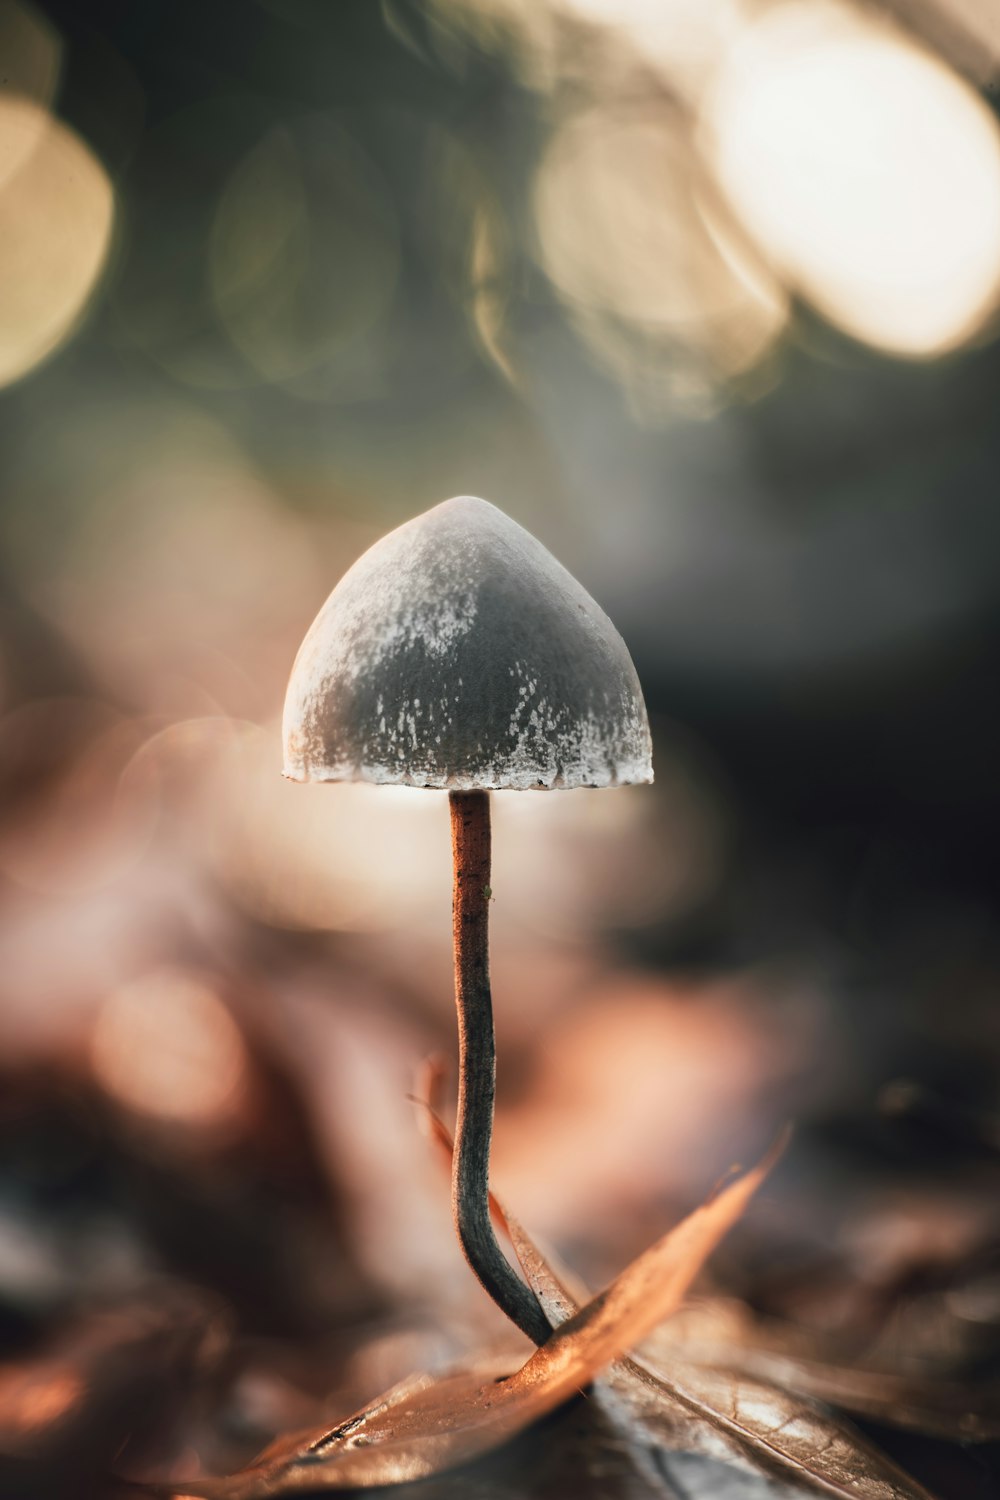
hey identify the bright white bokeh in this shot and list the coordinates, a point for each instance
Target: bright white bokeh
(867, 171)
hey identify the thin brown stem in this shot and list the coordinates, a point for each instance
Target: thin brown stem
(470, 843)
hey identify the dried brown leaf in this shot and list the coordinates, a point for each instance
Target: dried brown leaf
(726, 1414)
(936, 1408)
(782, 1433)
(426, 1427)
(728, 1336)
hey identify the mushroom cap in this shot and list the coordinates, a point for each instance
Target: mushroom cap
(458, 653)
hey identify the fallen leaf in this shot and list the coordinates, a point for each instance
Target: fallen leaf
(428, 1426)
(775, 1431)
(724, 1414)
(936, 1408)
(722, 1334)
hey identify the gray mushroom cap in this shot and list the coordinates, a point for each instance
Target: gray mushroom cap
(458, 653)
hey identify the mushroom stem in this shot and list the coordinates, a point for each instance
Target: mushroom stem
(470, 843)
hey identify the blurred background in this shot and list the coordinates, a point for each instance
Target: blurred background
(705, 294)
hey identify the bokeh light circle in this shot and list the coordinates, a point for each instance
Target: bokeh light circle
(867, 171)
(165, 1046)
(56, 220)
(622, 236)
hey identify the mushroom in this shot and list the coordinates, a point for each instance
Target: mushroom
(458, 653)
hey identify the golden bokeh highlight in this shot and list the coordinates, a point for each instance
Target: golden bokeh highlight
(166, 1047)
(868, 173)
(622, 237)
(56, 222)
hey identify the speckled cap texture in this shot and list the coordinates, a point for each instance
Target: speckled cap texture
(458, 653)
